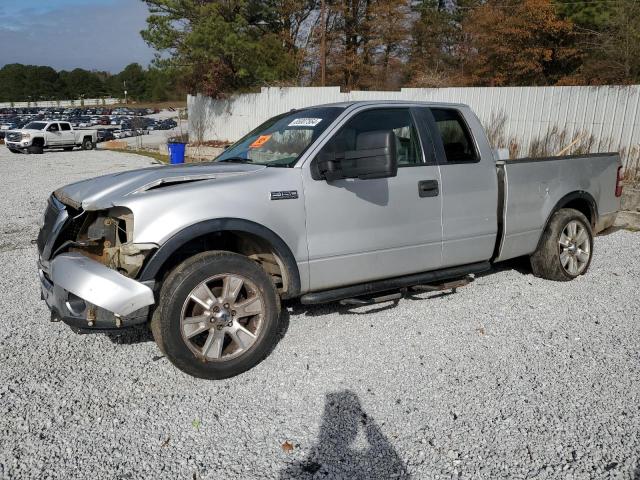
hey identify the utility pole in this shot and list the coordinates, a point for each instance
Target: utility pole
(323, 45)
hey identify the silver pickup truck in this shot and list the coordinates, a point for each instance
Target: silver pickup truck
(38, 135)
(350, 202)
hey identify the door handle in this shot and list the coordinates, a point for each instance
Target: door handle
(428, 188)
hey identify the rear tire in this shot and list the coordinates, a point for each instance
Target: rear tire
(87, 144)
(566, 247)
(218, 315)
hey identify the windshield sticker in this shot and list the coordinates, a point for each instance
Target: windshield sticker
(261, 140)
(305, 122)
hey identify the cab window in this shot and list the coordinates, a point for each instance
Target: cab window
(53, 127)
(65, 127)
(456, 138)
(399, 120)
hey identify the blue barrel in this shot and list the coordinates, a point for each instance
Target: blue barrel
(176, 152)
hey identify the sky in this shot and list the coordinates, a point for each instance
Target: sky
(66, 34)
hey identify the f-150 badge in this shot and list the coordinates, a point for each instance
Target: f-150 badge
(285, 195)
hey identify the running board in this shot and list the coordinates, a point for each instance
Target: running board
(423, 279)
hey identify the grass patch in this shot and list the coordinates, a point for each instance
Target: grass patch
(145, 153)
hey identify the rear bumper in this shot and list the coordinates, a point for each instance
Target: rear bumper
(89, 296)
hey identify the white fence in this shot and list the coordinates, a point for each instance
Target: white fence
(608, 115)
(87, 102)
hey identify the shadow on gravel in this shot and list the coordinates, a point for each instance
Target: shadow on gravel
(131, 336)
(336, 454)
(520, 264)
(142, 333)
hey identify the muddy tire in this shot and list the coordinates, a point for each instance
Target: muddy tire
(217, 316)
(566, 247)
(87, 144)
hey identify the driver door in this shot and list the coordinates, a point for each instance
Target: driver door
(363, 230)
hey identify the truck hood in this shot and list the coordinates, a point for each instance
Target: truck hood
(25, 130)
(108, 190)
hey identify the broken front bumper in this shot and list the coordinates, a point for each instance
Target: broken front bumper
(90, 296)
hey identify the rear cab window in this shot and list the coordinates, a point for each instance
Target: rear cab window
(65, 127)
(457, 141)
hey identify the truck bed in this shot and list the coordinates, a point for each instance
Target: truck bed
(530, 188)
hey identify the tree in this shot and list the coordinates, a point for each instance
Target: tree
(219, 46)
(609, 51)
(80, 83)
(133, 78)
(586, 14)
(520, 42)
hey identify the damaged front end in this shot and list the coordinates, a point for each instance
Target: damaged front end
(88, 265)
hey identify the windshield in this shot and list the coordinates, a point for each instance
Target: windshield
(281, 140)
(35, 125)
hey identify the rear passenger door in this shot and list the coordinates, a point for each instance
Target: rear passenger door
(66, 134)
(469, 186)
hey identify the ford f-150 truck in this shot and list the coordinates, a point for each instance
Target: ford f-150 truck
(36, 136)
(349, 202)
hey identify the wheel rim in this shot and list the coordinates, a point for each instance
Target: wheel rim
(222, 317)
(575, 248)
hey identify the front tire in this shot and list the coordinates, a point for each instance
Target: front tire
(218, 315)
(566, 247)
(35, 149)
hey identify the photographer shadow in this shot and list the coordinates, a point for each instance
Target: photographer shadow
(337, 455)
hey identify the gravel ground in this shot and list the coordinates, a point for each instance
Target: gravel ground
(511, 377)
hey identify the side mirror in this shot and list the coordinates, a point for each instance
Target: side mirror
(374, 157)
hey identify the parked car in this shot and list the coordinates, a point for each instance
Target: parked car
(36, 136)
(349, 202)
(104, 136)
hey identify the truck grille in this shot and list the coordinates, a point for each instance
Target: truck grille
(14, 136)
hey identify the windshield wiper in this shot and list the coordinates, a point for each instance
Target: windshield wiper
(236, 160)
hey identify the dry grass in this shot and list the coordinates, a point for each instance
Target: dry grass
(558, 141)
(632, 167)
(145, 153)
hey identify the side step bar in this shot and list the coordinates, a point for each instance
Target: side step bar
(364, 289)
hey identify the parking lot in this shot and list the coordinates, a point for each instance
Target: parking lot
(510, 377)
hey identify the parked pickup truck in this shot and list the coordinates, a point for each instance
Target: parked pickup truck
(36, 136)
(349, 202)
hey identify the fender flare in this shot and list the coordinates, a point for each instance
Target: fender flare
(153, 265)
(564, 201)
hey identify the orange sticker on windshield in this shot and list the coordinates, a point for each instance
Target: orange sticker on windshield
(261, 140)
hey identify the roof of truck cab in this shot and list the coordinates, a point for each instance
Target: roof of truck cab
(387, 102)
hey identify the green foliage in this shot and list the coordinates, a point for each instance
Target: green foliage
(219, 46)
(32, 83)
(586, 14)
